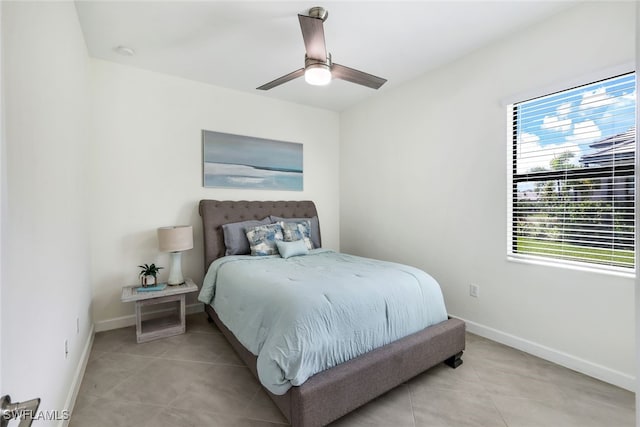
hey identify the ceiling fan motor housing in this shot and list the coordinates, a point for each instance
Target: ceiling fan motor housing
(315, 62)
(319, 12)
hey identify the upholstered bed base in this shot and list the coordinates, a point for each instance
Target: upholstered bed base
(335, 392)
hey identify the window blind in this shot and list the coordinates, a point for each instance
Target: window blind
(572, 187)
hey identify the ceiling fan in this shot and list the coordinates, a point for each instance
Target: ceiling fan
(318, 67)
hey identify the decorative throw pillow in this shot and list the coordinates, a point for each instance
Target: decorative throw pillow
(289, 249)
(314, 229)
(262, 239)
(299, 230)
(235, 237)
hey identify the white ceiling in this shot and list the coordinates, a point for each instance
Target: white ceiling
(241, 45)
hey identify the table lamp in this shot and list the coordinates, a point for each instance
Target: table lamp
(175, 239)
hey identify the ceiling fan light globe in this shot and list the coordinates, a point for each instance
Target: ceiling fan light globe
(317, 75)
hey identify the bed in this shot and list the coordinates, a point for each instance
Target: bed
(334, 392)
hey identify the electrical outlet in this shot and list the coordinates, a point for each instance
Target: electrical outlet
(77, 325)
(66, 348)
(474, 290)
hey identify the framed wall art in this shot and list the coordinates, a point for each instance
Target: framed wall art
(236, 161)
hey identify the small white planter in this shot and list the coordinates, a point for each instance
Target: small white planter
(148, 280)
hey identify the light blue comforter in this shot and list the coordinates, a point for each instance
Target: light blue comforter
(305, 314)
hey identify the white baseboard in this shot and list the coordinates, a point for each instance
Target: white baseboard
(591, 369)
(77, 377)
(130, 320)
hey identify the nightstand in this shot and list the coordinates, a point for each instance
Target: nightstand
(164, 326)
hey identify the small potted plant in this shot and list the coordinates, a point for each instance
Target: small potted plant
(149, 274)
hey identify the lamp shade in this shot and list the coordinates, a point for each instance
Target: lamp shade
(175, 238)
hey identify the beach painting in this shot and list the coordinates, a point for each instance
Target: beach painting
(236, 161)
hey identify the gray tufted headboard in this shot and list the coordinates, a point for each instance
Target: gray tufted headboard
(215, 213)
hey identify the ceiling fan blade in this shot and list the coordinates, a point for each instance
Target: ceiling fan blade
(280, 80)
(313, 35)
(354, 76)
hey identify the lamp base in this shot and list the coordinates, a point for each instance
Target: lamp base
(175, 270)
(177, 284)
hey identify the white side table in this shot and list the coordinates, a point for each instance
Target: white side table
(161, 327)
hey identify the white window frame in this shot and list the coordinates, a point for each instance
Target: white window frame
(560, 86)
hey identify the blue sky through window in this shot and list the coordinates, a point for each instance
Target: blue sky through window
(571, 120)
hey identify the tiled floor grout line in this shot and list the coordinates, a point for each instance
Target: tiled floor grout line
(251, 400)
(504, 420)
(174, 359)
(413, 413)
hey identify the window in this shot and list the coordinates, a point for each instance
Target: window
(572, 189)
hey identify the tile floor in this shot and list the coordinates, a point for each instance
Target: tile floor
(195, 379)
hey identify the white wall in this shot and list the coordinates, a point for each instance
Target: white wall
(45, 245)
(423, 181)
(146, 169)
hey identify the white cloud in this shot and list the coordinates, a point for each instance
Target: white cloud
(559, 123)
(627, 100)
(620, 113)
(585, 132)
(595, 98)
(527, 138)
(556, 124)
(564, 109)
(630, 96)
(531, 154)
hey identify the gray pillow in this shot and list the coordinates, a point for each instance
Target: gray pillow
(235, 237)
(315, 227)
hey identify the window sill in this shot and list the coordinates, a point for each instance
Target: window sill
(609, 271)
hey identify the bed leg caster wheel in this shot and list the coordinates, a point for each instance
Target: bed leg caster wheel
(454, 361)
